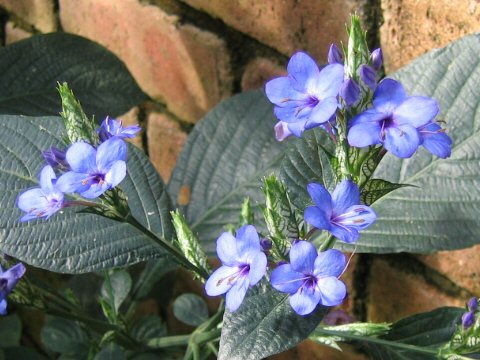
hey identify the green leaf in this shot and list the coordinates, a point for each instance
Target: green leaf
(10, 331)
(116, 287)
(375, 189)
(110, 352)
(21, 353)
(30, 70)
(264, 325)
(225, 157)
(190, 309)
(153, 271)
(148, 327)
(65, 337)
(70, 242)
(246, 214)
(441, 212)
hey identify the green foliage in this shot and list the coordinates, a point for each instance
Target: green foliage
(190, 309)
(30, 70)
(264, 325)
(147, 328)
(114, 291)
(70, 242)
(246, 214)
(375, 189)
(110, 352)
(65, 337)
(10, 331)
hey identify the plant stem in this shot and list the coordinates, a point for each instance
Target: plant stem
(328, 244)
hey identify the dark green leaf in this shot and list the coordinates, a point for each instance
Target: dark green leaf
(190, 309)
(264, 325)
(110, 352)
(10, 331)
(70, 242)
(374, 189)
(116, 287)
(148, 327)
(30, 70)
(65, 337)
(225, 157)
(21, 353)
(154, 270)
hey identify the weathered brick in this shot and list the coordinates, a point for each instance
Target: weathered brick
(14, 33)
(38, 13)
(165, 141)
(131, 118)
(286, 25)
(259, 71)
(186, 68)
(413, 27)
(394, 294)
(460, 266)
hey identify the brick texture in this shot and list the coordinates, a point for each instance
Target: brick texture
(413, 27)
(13, 33)
(394, 294)
(286, 25)
(37, 13)
(259, 71)
(186, 68)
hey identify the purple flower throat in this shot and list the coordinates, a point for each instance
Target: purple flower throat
(243, 271)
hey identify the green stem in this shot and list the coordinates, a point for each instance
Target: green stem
(178, 256)
(341, 151)
(374, 340)
(184, 340)
(328, 244)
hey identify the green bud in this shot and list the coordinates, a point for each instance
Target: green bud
(79, 126)
(188, 243)
(246, 214)
(357, 49)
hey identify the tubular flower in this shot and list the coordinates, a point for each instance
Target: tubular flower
(394, 120)
(311, 278)
(307, 96)
(8, 280)
(111, 127)
(243, 265)
(43, 201)
(94, 171)
(340, 213)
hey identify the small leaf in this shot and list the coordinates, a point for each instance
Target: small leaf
(246, 214)
(264, 325)
(190, 309)
(374, 189)
(110, 352)
(116, 287)
(65, 337)
(10, 331)
(148, 327)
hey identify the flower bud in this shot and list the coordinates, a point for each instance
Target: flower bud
(350, 92)
(334, 55)
(376, 57)
(266, 244)
(368, 76)
(473, 304)
(55, 157)
(282, 131)
(468, 319)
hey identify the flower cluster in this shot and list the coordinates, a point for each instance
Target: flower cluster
(8, 280)
(87, 170)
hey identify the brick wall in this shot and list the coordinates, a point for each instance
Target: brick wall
(190, 54)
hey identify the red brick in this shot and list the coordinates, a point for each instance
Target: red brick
(413, 27)
(259, 71)
(131, 118)
(13, 33)
(286, 25)
(38, 13)
(460, 266)
(165, 141)
(186, 68)
(394, 294)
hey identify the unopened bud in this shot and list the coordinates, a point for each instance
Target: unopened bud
(55, 157)
(282, 131)
(350, 92)
(468, 319)
(334, 55)
(376, 57)
(473, 304)
(266, 244)
(368, 76)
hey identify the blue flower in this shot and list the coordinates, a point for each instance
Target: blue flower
(94, 171)
(43, 201)
(243, 265)
(8, 280)
(311, 279)
(334, 56)
(393, 121)
(468, 319)
(55, 158)
(111, 127)
(341, 213)
(376, 58)
(307, 97)
(434, 139)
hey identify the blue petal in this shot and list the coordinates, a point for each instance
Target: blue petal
(247, 240)
(220, 281)
(297, 128)
(284, 279)
(322, 112)
(302, 257)
(282, 131)
(82, 158)
(320, 196)
(350, 92)
(368, 75)
(73, 182)
(32, 199)
(305, 300)
(117, 173)
(402, 141)
(236, 294)
(329, 263)
(332, 291)
(331, 79)
(95, 190)
(304, 73)
(416, 111)
(358, 216)
(12, 276)
(109, 152)
(334, 55)
(3, 307)
(364, 134)
(347, 234)
(346, 194)
(227, 249)
(388, 95)
(281, 93)
(258, 268)
(317, 217)
(46, 176)
(436, 141)
(291, 114)
(130, 131)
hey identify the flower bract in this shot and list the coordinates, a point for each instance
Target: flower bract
(94, 171)
(243, 265)
(111, 127)
(307, 96)
(8, 280)
(393, 121)
(43, 201)
(311, 278)
(340, 213)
